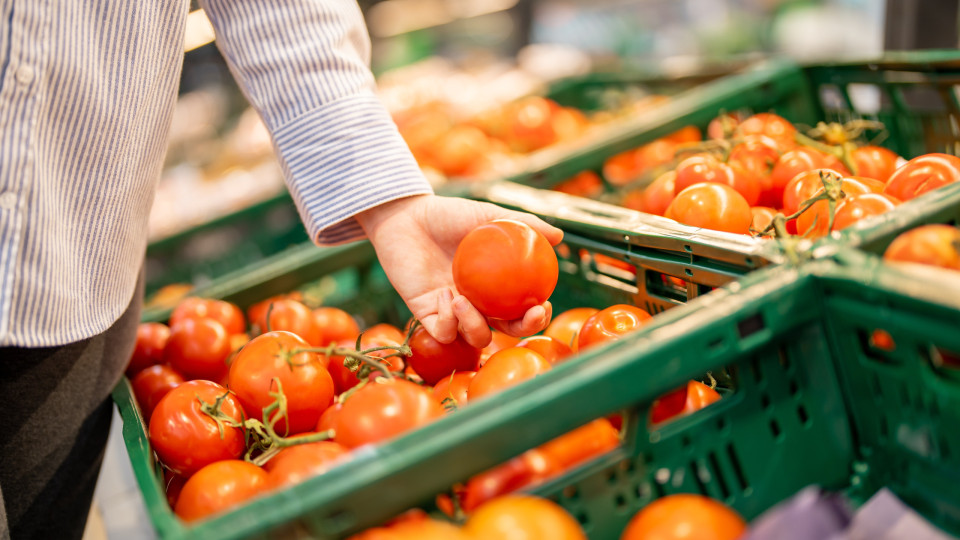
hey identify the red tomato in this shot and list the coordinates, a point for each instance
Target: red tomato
(504, 268)
(683, 517)
(531, 124)
(522, 517)
(656, 197)
(454, 386)
(300, 462)
(711, 206)
(219, 487)
(427, 529)
(875, 162)
(173, 485)
(187, 439)
(329, 417)
(289, 316)
(237, 341)
(460, 150)
(803, 187)
(225, 313)
(151, 339)
(690, 398)
(655, 154)
(611, 324)
(433, 361)
(934, 245)
(378, 335)
(762, 218)
(585, 184)
(622, 168)
(270, 362)
(499, 342)
(800, 159)
(757, 153)
(582, 444)
(198, 349)
(550, 349)
(504, 369)
(686, 134)
(257, 313)
(526, 469)
(151, 384)
(566, 326)
(724, 126)
(771, 125)
(706, 168)
(857, 207)
(923, 174)
(332, 325)
(343, 378)
(383, 410)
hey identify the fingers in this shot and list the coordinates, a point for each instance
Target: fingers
(534, 320)
(551, 233)
(443, 324)
(473, 325)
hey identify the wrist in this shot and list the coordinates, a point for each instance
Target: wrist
(372, 218)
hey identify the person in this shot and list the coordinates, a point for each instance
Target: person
(86, 97)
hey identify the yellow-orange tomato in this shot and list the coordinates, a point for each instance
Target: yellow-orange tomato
(685, 517)
(523, 517)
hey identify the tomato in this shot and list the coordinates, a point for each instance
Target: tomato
(237, 341)
(185, 438)
(218, 487)
(498, 342)
(198, 349)
(523, 517)
(622, 168)
(343, 378)
(724, 126)
(531, 124)
(524, 470)
(771, 125)
(683, 517)
(148, 350)
(874, 162)
(566, 326)
(582, 444)
(270, 363)
(805, 186)
(382, 410)
(329, 417)
(690, 398)
(762, 218)
(611, 324)
(923, 174)
(459, 150)
(225, 313)
(814, 223)
(173, 485)
(504, 268)
(656, 197)
(569, 123)
(550, 349)
(433, 361)
(297, 463)
(454, 386)
(711, 206)
(504, 369)
(935, 245)
(151, 384)
(686, 134)
(799, 160)
(257, 313)
(429, 529)
(289, 316)
(378, 335)
(585, 184)
(706, 168)
(857, 207)
(756, 153)
(881, 339)
(655, 154)
(332, 325)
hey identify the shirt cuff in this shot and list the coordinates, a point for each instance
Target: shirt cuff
(342, 159)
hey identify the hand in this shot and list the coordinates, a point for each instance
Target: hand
(415, 239)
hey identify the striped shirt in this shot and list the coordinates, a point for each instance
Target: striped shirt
(87, 90)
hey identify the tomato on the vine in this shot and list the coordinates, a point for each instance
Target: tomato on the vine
(923, 174)
(151, 339)
(151, 384)
(690, 398)
(289, 316)
(198, 349)
(711, 206)
(610, 324)
(225, 313)
(762, 218)
(934, 245)
(383, 409)
(875, 162)
(218, 487)
(297, 463)
(278, 361)
(187, 438)
(504, 268)
(332, 325)
(857, 207)
(520, 517)
(433, 361)
(504, 369)
(706, 168)
(685, 516)
(454, 387)
(774, 126)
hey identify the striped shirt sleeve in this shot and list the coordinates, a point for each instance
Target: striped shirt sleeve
(303, 64)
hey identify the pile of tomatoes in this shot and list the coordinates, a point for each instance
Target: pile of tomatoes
(231, 417)
(752, 169)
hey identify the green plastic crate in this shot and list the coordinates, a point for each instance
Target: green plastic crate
(812, 403)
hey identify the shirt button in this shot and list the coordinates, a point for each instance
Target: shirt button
(8, 200)
(25, 74)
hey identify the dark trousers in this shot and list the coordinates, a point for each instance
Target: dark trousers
(55, 414)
